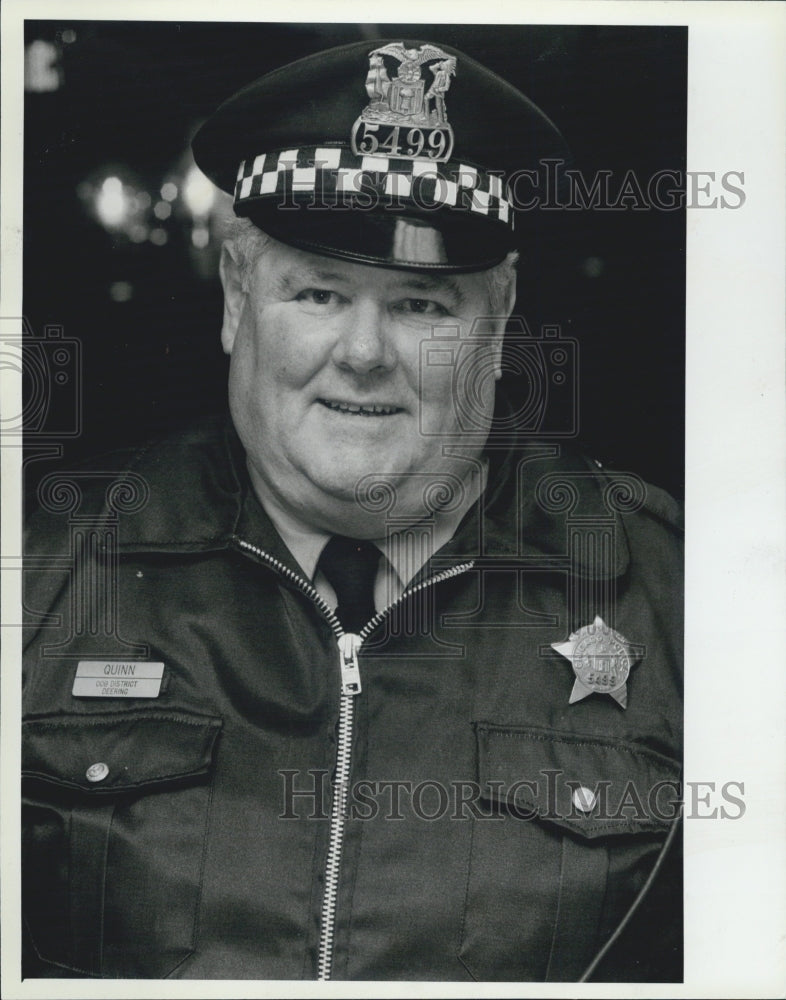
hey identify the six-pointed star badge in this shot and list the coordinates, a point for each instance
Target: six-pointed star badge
(601, 660)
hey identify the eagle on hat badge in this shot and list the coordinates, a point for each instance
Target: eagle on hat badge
(406, 116)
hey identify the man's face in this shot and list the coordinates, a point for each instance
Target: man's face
(327, 386)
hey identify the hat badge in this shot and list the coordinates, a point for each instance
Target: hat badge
(406, 116)
(601, 660)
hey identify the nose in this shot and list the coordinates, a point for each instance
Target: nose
(365, 344)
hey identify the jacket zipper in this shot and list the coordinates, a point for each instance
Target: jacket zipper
(348, 644)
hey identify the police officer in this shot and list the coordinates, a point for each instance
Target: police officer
(365, 682)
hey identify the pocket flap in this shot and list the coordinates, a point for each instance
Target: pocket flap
(590, 785)
(110, 752)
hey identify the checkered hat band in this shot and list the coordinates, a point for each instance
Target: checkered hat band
(332, 173)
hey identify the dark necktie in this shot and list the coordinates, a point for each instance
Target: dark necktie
(350, 567)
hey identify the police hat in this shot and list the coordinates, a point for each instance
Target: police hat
(393, 153)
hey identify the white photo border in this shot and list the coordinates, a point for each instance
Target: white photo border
(735, 712)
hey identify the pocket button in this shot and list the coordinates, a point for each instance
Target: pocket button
(97, 772)
(584, 799)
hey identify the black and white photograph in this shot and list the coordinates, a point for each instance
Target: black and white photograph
(353, 363)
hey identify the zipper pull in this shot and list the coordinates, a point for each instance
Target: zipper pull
(348, 645)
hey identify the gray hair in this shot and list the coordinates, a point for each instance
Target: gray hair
(248, 242)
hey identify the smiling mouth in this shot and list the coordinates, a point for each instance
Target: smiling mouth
(358, 410)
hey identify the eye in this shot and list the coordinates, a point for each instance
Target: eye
(423, 307)
(319, 297)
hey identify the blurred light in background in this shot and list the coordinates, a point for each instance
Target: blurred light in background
(112, 204)
(200, 237)
(185, 211)
(42, 72)
(593, 267)
(121, 291)
(198, 192)
(114, 196)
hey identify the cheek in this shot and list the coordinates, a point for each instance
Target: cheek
(452, 385)
(272, 356)
(437, 393)
(256, 382)
(459, 397)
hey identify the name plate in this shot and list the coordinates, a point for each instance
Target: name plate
(117, 679)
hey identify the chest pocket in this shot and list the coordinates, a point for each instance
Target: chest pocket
(570, 830)
(115, 813)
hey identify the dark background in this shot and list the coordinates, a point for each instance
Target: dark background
(129, 97)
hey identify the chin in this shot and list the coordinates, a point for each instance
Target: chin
(342, 468)
(344, 487)
(371, 483)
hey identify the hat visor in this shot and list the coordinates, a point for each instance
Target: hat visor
(433, 241)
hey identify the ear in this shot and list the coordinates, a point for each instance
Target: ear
(500, 324)
(234, 296)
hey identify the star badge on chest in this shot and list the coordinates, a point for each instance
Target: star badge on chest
(601, 660)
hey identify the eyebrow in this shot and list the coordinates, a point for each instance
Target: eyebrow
(297, 276)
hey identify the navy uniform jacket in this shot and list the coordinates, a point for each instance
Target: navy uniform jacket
(205, 849)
